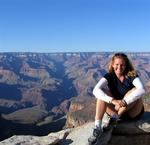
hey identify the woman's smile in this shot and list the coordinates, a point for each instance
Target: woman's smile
(119, 66)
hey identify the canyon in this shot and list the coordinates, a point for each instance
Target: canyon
(47, 92)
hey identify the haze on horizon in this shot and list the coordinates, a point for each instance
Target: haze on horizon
(74, 26)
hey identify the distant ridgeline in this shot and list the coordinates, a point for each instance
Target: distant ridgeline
(38, 88)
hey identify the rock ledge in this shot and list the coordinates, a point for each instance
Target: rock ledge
(134, 132)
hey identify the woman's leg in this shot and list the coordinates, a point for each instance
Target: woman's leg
(134, 108)
(111, 110)
(100, 109)
(98, 129)
(103, 107)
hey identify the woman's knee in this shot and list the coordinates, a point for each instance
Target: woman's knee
(135, 108)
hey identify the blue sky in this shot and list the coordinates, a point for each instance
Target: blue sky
(74, 25)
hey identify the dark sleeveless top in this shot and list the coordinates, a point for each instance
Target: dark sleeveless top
(117, 88)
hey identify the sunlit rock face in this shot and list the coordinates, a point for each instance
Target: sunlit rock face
(37, 90)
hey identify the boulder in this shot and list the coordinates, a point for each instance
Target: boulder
(126, 132)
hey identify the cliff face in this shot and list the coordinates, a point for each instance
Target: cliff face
(44, 87)
(80, 112)
(134, 133)
(47, 80)
(84, 111)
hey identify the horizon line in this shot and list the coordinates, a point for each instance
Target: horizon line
(74, 51)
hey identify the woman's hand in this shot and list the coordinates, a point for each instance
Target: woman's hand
(118, 104)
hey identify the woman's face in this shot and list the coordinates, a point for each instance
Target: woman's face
(119, 66)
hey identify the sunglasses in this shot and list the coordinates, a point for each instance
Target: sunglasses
(120, 54)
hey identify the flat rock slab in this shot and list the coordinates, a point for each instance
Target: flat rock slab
(80, 135)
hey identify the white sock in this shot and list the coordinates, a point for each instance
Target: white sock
(98, 123)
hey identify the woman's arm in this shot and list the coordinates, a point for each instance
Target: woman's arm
(99, 93)
(136, 93)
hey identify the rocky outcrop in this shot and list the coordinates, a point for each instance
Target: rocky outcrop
(123, 133)
(51, 139)
(50, 81)
(80, 112)
(62, 108)
(134, 133)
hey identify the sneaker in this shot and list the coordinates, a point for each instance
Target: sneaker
(112, 123)
(97, 132)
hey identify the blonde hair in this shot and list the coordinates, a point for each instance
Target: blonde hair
(129, 69)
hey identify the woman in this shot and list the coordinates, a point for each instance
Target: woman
(118, 95)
